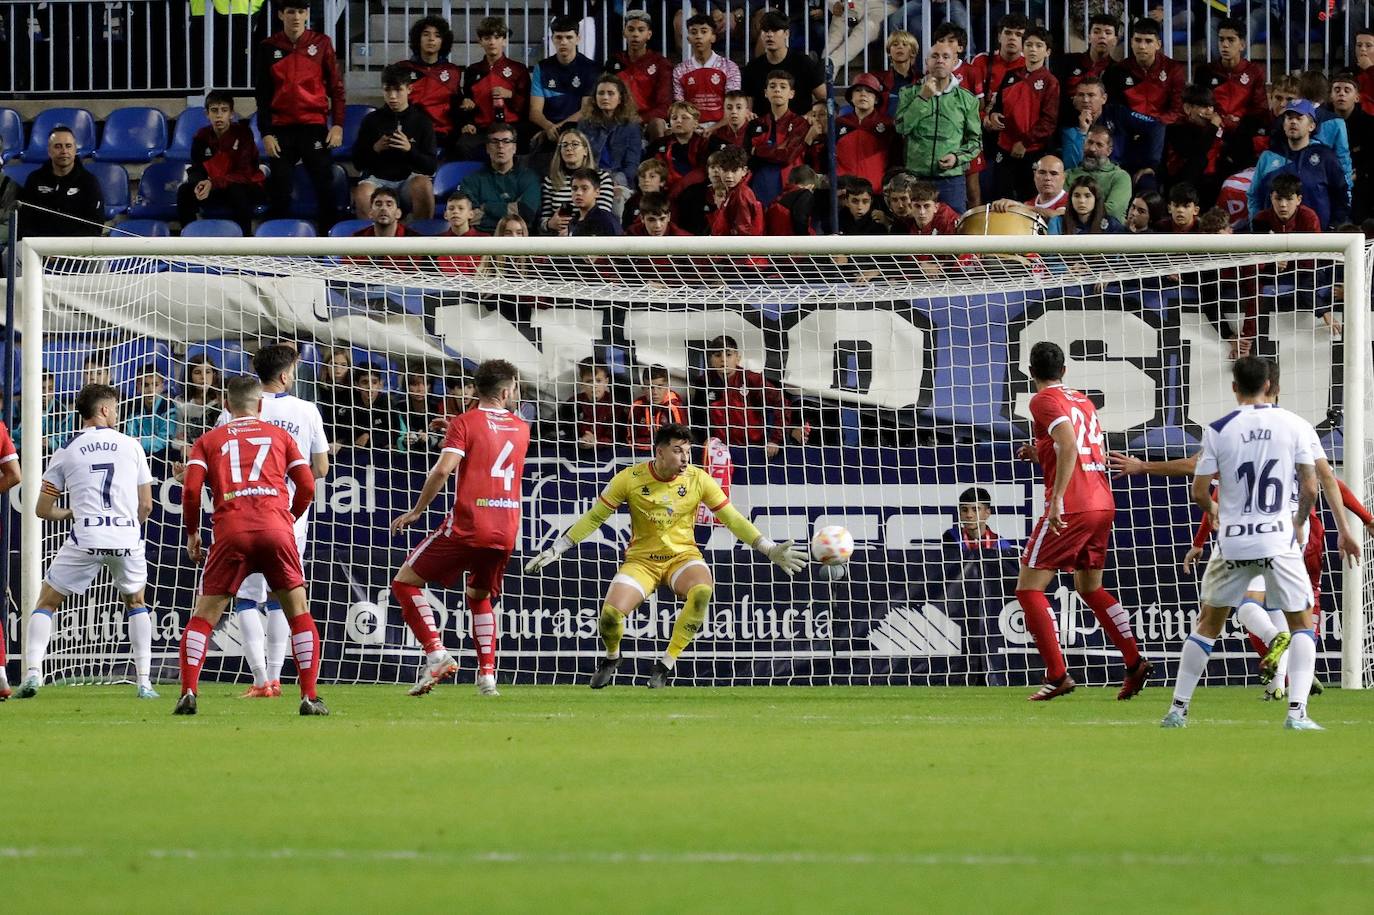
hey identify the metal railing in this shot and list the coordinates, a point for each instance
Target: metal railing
(151, 47)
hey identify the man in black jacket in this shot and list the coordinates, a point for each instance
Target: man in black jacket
(64, 199)
(396, 149)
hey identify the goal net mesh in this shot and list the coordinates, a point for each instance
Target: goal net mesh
(877, 392)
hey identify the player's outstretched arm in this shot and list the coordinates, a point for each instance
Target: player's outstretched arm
(786, 555)
(47, 507)
(1124, 465)
(190, 506)
(436, 480)
(581, 528)
(1347, 544)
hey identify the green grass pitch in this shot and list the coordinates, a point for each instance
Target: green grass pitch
(690, 800)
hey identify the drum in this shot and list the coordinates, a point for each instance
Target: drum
(1017, 219)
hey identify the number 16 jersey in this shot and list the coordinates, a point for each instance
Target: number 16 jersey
(1089, 488)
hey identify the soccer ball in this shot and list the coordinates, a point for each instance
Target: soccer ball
(832, 546)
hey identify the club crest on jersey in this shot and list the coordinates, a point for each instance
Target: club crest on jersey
(312, 50)
(651, 69)
(880, 128)
(576, 81)
(1163, 76)
(1245, 79)
(1077, 71)
(1314, 159)
(715, 79)
(643, 490)
(681, 491)
(506, 72)
(1130, 80)
(277, 54)
(1039, 85)
(444, 76)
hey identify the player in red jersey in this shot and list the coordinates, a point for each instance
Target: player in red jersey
(9, 478)
(1073, 533)
(486, 446)
(246, 463)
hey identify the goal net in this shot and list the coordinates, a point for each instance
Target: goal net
(881, 385)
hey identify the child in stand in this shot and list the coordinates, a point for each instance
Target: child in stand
(659, 404)
(734, 210)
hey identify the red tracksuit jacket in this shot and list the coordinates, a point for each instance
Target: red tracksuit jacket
(226, 160)
(649, 79)
(742, 213)
(1029, 102)
(480, 78)
(1156, 93)
(865, 148)
(437, 90)
(300, 83)
(1239, 93)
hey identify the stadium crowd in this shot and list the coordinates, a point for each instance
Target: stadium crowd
(1112, 139)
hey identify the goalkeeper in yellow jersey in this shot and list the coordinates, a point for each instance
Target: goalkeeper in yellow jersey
(662, 495)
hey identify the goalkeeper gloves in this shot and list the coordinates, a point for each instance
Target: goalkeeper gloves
(549, 554)
(786, 555)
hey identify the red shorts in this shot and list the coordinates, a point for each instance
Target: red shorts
(441, 558)
(1082, 545)
(236, 556)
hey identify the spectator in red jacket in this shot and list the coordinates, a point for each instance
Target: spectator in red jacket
(592, 418)
(1184, 208)
(734, 210)
(655, 218)
(865, 143)
(436, 84)
(1237, 84)
(460, 215)
(496, 90)
(300, 92)
(735, 128)
(1025, 115)
(1104, 33)
(1150, 85)
(386, 223)
(1286, 212)
(742, 407)
(791, 213)
(657, 405)
(778, 139)
(1194, 143)
(929, 215)
(1364, 66)
(224, 167)
(647, 73)
(683, 150)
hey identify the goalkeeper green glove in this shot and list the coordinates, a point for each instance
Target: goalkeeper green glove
(549, 555)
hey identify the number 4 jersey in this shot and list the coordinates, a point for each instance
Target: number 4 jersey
(486, 507)
(1089, 488)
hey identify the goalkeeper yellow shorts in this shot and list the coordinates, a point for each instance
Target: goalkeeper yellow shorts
(646, 573)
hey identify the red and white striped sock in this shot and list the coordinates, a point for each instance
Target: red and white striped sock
(415, 610)
(1040, 624)
(305, 648)
(194, 642)
(483, 634)
(1116, 622)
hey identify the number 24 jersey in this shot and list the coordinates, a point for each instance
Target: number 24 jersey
(1089, 488)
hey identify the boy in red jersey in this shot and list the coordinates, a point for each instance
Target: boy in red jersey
(646, 73)
(486, 446)
(1073, 533)
(435, 81)
(300, 91)
(246, 463)
(496, 89)
(224, 167)
(9, 478)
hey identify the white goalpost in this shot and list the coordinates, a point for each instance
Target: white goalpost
(884, 384)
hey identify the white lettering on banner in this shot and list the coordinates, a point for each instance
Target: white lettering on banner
(1304, 341)
(1209, 370)
(658, 340)
(569, 335)
(1151, 624)
(897, 346)
(1128, 391)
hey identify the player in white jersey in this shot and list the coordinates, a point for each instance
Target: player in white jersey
(109, 484)
(1259, 454)
(275, 367)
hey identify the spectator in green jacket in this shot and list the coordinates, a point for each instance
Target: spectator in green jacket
(943, 132)
(502, 187)
(1113, 181)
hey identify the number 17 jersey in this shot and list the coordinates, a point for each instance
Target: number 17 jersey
(1089, 488)
(486, 506)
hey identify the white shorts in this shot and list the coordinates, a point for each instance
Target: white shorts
(1283, 579)
(74, 568)
(254, 587)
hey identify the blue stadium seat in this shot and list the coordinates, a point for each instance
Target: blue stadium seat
(133, 135)
(157, 191)
(428, 226)
(450, 176)
(63, 358)
(353, 119)
(364, 357)
(227, 355)
(11, 134)
(212, 228)
(79, 120)
(285, 228)
(127, 359)
(303, 193)
(347, 227)
(114, 186)
(144, 228)
(189, 122)
(19, 171)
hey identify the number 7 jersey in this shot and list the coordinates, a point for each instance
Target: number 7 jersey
(486, 506)
(1089, 488)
